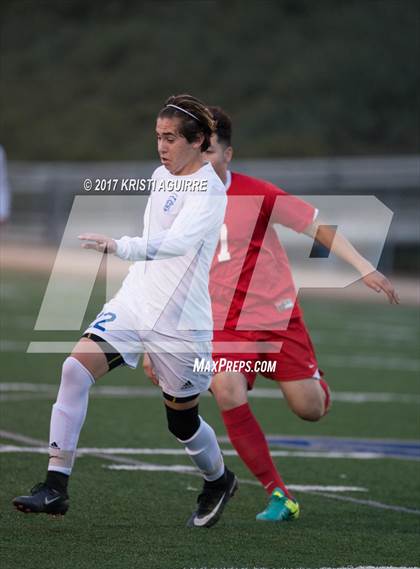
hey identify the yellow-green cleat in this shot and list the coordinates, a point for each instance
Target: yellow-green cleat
(280, 508)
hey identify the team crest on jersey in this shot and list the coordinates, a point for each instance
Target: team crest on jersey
(286, 304)
(170, 202)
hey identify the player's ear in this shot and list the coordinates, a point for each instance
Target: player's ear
(198, 141)
(228, 154)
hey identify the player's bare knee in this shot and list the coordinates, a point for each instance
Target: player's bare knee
(225, 395)
(310, 411)
(305, 398)
(227, 390)
(312, 415)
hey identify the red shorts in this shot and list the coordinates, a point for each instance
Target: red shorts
(295, 360)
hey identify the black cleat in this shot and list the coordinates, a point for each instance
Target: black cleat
(43, 499)
(212, 501)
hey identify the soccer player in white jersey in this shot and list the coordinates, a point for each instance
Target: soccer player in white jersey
(162, 307)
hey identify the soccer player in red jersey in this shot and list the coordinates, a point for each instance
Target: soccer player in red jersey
(255, 309)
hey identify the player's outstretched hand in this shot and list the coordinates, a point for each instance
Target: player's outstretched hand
(99, 242)
(378, 282)
(148, 369)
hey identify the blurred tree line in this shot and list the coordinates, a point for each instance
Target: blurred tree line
(83, 80)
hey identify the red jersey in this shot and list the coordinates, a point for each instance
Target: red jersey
(251, 285)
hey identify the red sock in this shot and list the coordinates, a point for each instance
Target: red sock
(327, 392)
(249, 441)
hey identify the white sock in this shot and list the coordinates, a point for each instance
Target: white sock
(205, 452)
(68, 415)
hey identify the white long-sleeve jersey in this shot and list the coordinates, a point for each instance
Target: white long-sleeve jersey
(167, 287)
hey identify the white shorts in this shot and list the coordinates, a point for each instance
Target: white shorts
(172, 357)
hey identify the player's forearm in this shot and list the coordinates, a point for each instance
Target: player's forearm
(177, 241)
(155, 248)
(200, 216)
(340, 246)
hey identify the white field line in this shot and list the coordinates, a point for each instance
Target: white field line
(358, 361)
(24, 397)
(315, 490)
(9, 392)
(371, 503)
(377, 328)
(125, 460)
(228, 452)
(5, 449)
(374, 361)
(181, 468)
(309, 488)
(347, 396)
(43, 445)
(42, 448)
(381, 333)
(13, 346)
(132, 464)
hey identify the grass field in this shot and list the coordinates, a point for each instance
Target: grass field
(136, 518)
